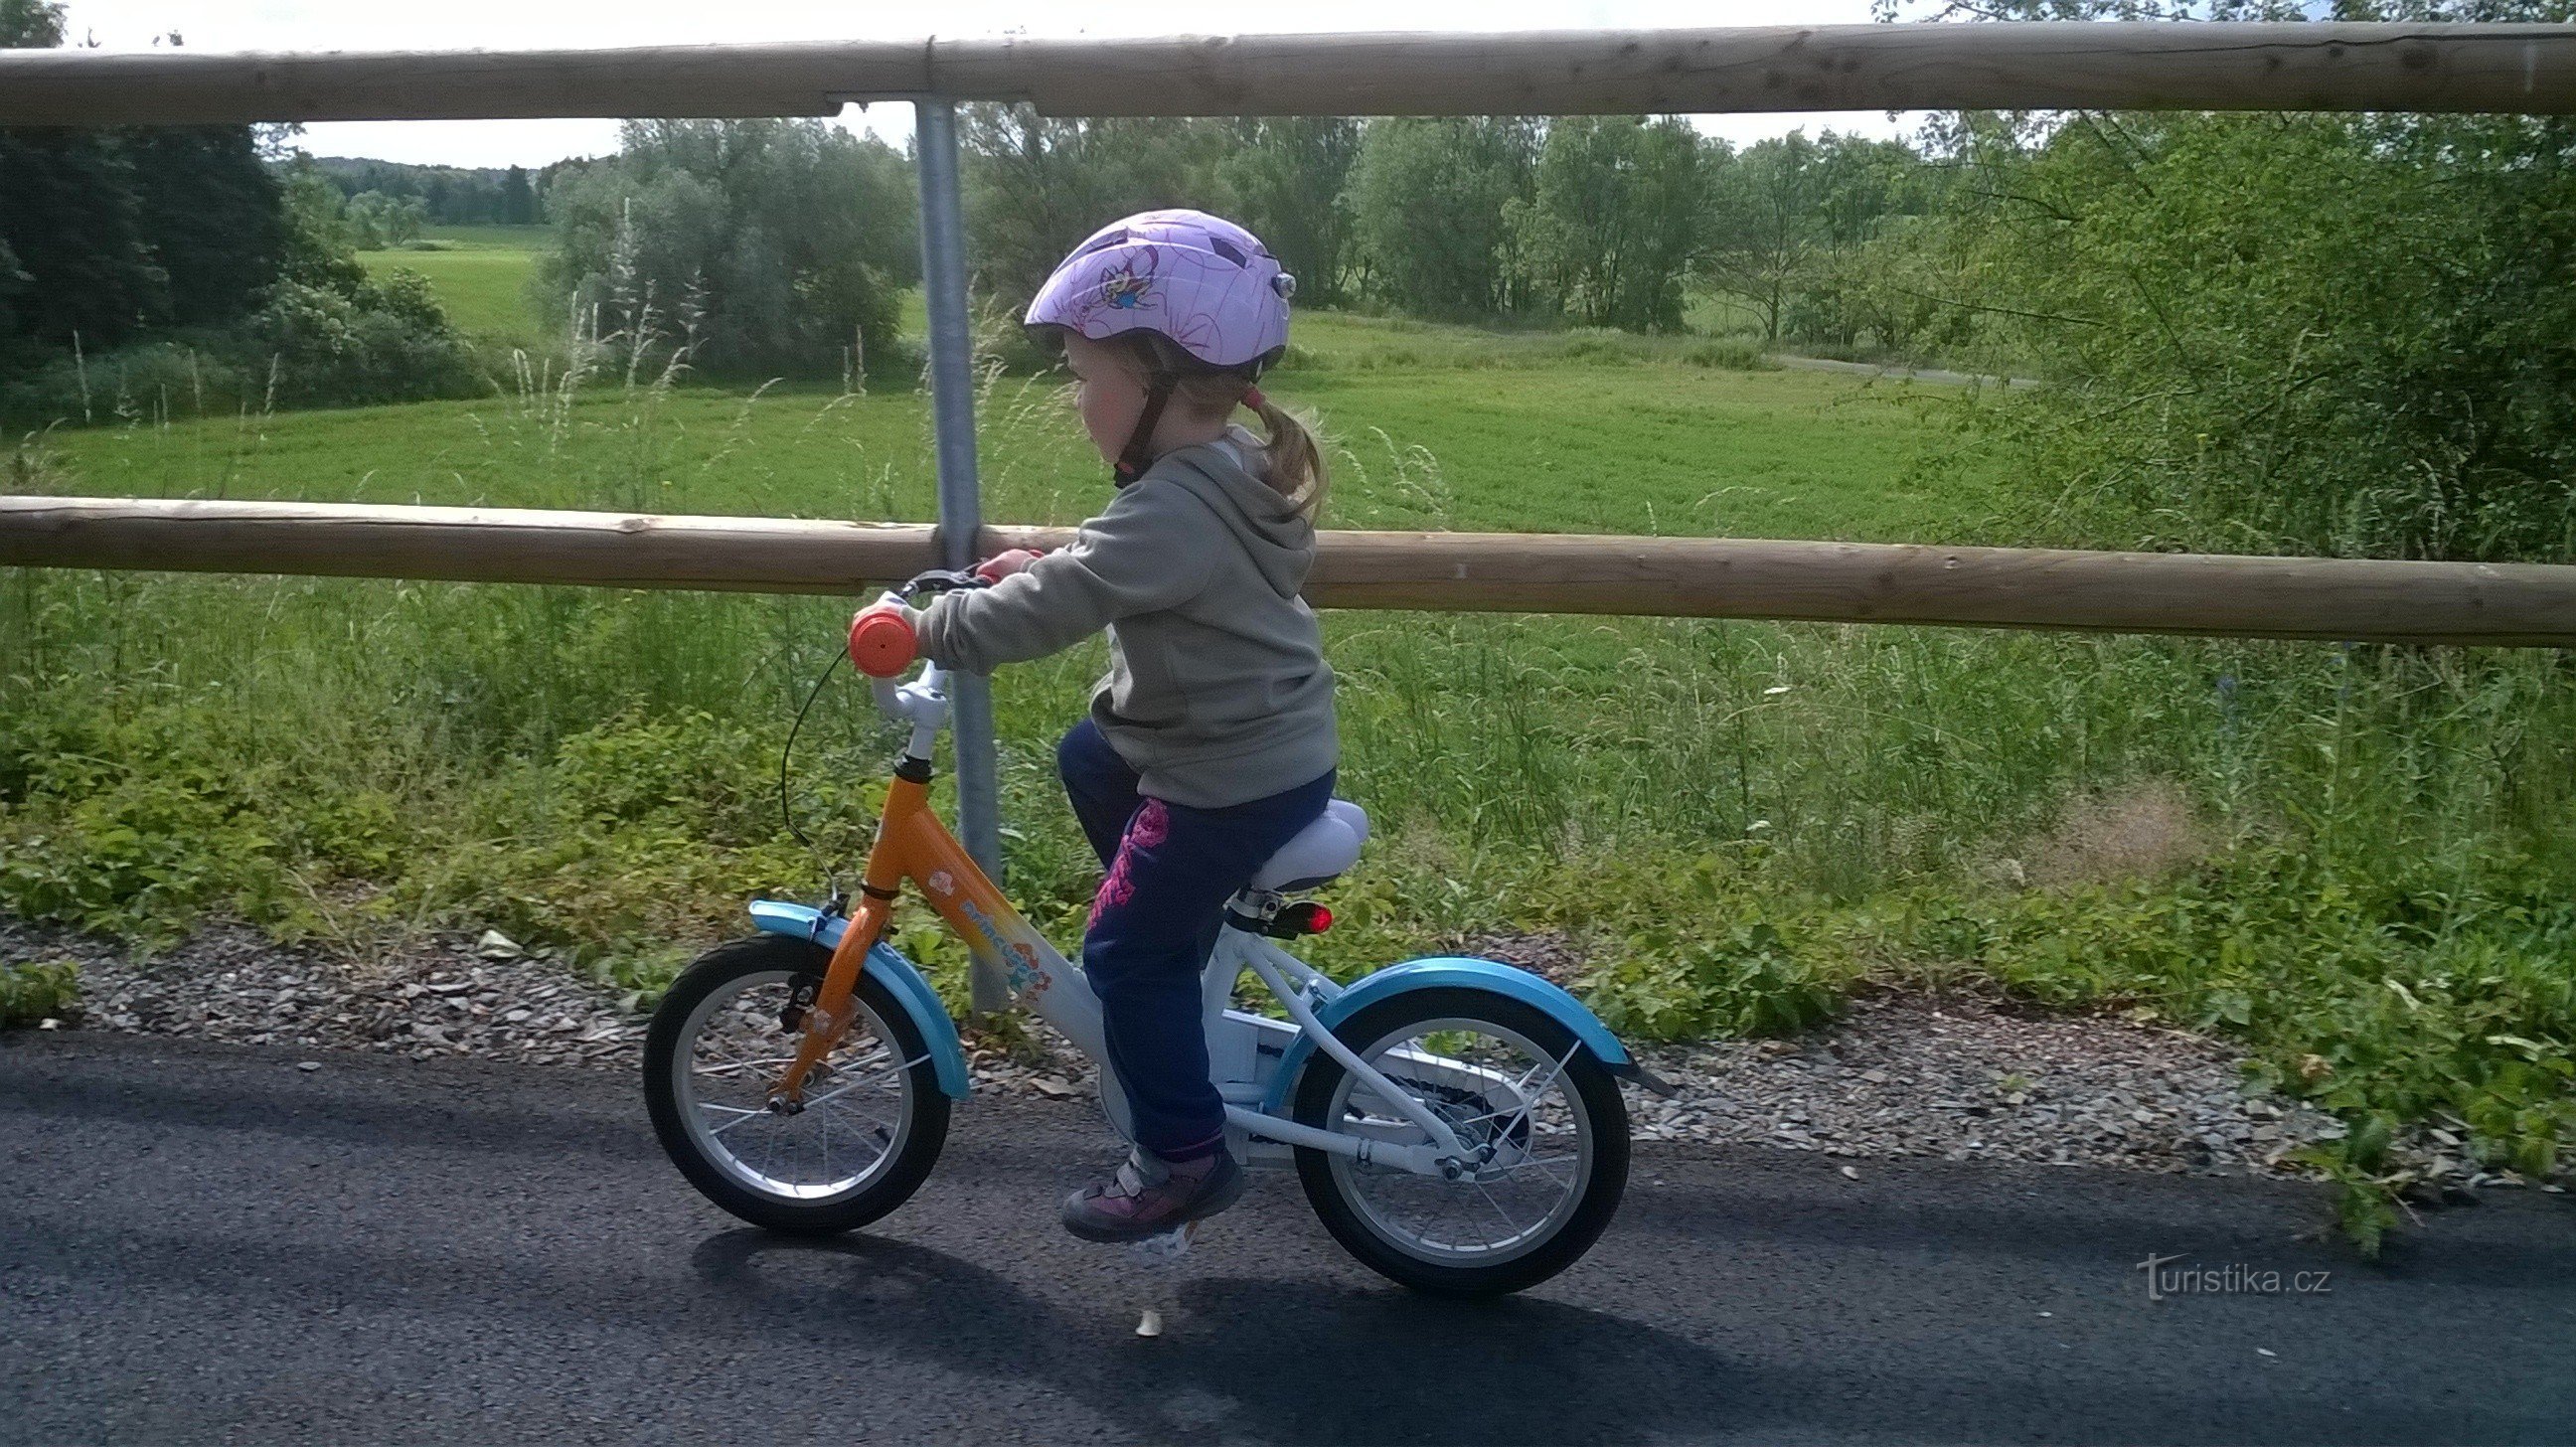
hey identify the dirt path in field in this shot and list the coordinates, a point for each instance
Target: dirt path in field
(1935, 375)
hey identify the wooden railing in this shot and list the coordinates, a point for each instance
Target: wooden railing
(2033, 65)
(2252, 597)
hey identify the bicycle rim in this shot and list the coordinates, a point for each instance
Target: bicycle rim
(858, 1103)
(1507, 1099)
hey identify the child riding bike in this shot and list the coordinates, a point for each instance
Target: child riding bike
(1212, 742)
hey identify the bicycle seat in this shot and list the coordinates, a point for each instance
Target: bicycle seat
(1320, 853)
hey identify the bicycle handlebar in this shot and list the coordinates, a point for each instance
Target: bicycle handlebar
(883, 645)
(882, 641)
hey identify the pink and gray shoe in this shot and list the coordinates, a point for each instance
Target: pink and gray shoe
(1150, 1196)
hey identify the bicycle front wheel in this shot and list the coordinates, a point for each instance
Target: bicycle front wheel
(1539, 1114)
(873, 1117)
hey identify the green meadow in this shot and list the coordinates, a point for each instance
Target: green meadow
(481, 274)
(1570, 447)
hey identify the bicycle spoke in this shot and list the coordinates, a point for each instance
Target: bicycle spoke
(1497, 1093)
(887, 1073)
(746, 1115)
(739, 1053)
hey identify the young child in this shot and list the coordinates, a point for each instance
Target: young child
(1211, 743)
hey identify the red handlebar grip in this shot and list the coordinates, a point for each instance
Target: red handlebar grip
(882, 642)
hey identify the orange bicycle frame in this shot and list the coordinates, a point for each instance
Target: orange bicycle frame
(913, 844)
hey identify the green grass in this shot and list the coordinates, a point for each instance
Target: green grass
(1676, 450)
(2354, 860)
(496, 237)
(480, 274)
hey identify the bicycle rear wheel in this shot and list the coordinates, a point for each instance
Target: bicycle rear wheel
(1542, 1117)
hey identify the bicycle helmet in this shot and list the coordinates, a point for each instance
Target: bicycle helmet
(1205, 294)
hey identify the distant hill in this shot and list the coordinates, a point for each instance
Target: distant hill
(454, 195)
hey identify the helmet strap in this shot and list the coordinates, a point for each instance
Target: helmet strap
(1133, 461)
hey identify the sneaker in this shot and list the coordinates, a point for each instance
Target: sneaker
(1150, 1196)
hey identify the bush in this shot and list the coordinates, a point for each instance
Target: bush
(1729, 355)
(30, 993)
(134, 847)
(382, 340)
(2311, 333)
(739, 248)
(152, 381)
(389, 342)
(1741, 979)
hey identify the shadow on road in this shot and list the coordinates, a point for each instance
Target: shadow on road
(1291, 1361)
(1253, 1359)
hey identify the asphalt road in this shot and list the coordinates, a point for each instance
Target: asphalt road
(204, 1244)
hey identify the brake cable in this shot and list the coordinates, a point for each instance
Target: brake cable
(938, 580)
(787, 810)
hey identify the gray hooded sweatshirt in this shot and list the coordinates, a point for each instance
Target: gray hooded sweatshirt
(1218, 693)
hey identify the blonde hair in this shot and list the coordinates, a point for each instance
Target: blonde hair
(1293, 458)
(1292, 455)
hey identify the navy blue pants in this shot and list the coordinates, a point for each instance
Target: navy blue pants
(1171, 871)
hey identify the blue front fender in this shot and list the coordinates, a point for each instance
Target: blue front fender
(1456, 972)
(938, 1032)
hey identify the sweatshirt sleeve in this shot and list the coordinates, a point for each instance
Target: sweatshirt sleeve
(1151, 550)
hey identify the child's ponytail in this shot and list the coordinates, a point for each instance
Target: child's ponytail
(1294, 462)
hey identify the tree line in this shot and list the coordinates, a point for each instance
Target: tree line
(147, 268)
(1608, 221)
(449, 195)
(775, 244)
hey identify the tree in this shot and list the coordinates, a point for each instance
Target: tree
(518, 202)
(112, 232)
(2303, 333)
(1285, 180)
(759, 246)
(24, 25)
(1432, 203)
(1037, 185)
(379, 222)
(13, 279)
(1615, 218)
(1765, 215)
(2290, 333)
(30, 24)
(72, 216)
(1860, 188)
(213, 216)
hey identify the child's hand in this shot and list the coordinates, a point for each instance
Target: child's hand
(884, 638)
(1002, 565)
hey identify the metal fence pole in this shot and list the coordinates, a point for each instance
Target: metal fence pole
(961, 512)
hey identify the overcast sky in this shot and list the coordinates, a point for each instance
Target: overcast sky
(537, 24)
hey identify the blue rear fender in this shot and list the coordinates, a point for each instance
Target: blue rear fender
(938, 1032)
(1459, 972)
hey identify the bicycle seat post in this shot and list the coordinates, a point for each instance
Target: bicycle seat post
(1160, 1259)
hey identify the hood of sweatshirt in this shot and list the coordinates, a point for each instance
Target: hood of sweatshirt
(1280, 540)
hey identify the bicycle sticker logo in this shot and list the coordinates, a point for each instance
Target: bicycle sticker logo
(1027, 975)
(1018, 958)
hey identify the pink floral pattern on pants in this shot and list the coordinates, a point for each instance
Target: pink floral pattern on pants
(1151, 827)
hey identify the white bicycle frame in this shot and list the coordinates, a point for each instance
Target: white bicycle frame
(1244, 1049)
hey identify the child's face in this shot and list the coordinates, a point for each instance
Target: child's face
(1109, 394)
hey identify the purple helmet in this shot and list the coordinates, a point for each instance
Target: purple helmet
(1201, 282)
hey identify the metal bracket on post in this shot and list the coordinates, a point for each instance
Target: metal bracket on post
(961, 512)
